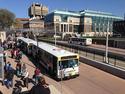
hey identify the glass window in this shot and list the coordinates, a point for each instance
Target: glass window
(69, 63)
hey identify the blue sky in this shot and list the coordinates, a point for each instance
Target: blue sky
(20, 7)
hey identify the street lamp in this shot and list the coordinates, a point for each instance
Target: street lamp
(99, 30)
(37, 50)
(61, 77)
(106, 48)
(55, 35)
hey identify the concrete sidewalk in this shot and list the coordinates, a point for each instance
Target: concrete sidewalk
(31, 69)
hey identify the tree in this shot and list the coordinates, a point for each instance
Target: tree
(6, 18)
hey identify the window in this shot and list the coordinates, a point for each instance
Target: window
(70, 21)
(57, 20)
(69, 63)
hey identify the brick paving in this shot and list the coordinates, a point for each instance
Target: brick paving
(54, 85)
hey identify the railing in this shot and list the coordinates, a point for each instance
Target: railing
(114, 59)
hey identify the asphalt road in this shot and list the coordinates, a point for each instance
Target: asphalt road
(111, 49)
(95, 81)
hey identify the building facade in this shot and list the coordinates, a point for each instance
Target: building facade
(90, 23)
(37, 11)
(20, 22)
(119, 28)
(34, 24)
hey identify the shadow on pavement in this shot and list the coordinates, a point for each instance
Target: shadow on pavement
(18, 83)
(38, 65)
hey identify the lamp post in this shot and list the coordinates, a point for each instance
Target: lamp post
(106, 48)
(55, 35)
(61, 77)
(99, 30)
(37, 51)
(95, 28)
(37, 42)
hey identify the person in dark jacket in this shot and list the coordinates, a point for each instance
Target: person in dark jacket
(10, 75)
(4, 57)
(41, 87)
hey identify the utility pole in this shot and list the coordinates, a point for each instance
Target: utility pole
(106, 48)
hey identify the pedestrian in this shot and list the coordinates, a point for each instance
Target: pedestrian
(25, 78)
(36, 75)
(18, 69)
(20, 55)
(12, 53)
(15, 53)
(4, 57)
(6, 67)
(23, 69)
(41, 88)
(9, 77)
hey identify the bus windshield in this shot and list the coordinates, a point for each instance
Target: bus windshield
(69, 63)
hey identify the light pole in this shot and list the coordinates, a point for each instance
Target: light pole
(61, 77)
(95, 28)
(37, 51)
(55, 35)
(106, 48)
(99, 29)
(37, 42)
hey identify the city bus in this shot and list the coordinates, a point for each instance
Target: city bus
(80, 41)
(25, 44)
(58, 62)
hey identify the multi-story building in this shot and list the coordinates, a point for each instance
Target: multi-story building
(119, 28)
(20, 22)
(93, 23)
(37, 11)
(34, 24)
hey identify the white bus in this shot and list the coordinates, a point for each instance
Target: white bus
(26, 44)
(58, 62)
(80, 41)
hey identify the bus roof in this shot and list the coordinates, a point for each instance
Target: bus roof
(27, 40)
(56, 51)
